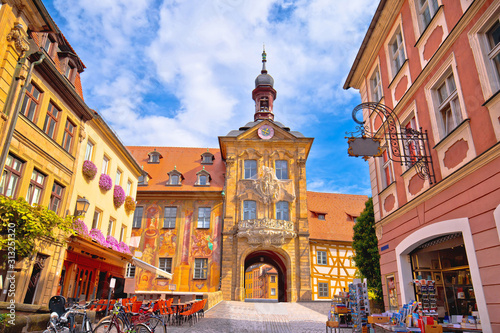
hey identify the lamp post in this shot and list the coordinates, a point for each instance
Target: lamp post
(82, 205)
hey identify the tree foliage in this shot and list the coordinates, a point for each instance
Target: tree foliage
(28, 224)
(365, 246)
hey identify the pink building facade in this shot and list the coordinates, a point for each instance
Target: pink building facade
(436, 65)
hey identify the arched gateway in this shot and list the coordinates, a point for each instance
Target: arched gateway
(265, 209)
(275, 259)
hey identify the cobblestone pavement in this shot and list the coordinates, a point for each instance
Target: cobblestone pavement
(230, 316)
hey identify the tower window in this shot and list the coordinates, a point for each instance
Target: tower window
(264, 104)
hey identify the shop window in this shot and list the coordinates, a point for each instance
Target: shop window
(36, 187)
(89, 150)
(250, 169)
(130, 271)
(444, 261)
(56, 197)
(137, 222)
(281, 169)
(200, 268)
(51, 120)
(447, 108)
(321, 258)
(282, 212)
(11, 176)
(323, 289)
(169, 217)
(397, 52)
(31, 102)
(69, 133)
(204, 217)
(249, 210)
(376, 86)
(165, 264)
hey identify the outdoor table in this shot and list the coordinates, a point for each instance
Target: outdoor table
(178, 308)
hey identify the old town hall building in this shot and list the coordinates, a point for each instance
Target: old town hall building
(207, 215)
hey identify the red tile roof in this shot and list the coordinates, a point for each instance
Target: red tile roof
(338, 209)
(185, 160)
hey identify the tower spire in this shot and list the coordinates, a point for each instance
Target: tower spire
(264, 93)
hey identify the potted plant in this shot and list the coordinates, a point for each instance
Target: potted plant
(105, 182)
(89, 169)
(97, 235)
(118, 196)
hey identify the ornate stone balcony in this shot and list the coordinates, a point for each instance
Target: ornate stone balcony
(266, 232)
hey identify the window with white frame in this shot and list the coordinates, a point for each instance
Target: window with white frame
(448, 109)
(129, 187)
(376, 86)
(165, 264)
(249, 210)
(321, 257)
(273, 291)
(130, 271)
(118, 178)
(36, 187)
(281, 169)
(200, 268)
(88, 150)
(105, 163)
(322, 289)
(426, 9)
(397, 52)
(386, 169)
(250, 169)
(123, 233)
(204, 217)
(96, 220)
(169, 217)
(282, 210)
(493, 35)
(111, 226)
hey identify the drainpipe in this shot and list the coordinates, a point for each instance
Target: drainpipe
(15, 115)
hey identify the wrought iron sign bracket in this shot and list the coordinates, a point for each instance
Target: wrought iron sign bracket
(408, 146)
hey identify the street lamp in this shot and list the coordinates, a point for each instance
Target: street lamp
(82, 205)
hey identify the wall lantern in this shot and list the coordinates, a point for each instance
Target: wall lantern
(82, 205)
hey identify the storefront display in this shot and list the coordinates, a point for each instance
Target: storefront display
(443, 260)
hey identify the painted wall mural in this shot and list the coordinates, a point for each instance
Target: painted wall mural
(182, 244)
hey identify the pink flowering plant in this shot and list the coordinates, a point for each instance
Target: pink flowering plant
(105, 182)
(118, 196)
(129, 204)
(112, 242)
(81, 228)
(122, 247)
(89, 169)
(97, 235)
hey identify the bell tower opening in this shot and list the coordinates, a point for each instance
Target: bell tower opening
(257, 262)
(264, 93)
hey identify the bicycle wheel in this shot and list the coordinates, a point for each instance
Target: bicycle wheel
(156, 325)
(107, 319)
(106, 327)
(141, 328)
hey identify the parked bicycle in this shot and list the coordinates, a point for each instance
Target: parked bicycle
(120, 322)
(64, 320)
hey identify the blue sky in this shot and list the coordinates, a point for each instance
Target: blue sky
(181, 73)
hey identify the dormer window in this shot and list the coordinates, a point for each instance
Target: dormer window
(154, 157)
(70, 71)
(175, 178)
(321, 217)
(49, 45)
(203, 178)
(207, 158)
(143, 179)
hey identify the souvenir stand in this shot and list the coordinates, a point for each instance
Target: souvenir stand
(359, 305)
(340, 315)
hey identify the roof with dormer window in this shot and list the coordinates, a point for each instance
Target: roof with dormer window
(209, 155)
(184, 160)
(337, 208)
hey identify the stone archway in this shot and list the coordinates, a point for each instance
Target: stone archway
(274, 259)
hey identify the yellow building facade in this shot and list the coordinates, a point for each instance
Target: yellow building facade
(41, 120)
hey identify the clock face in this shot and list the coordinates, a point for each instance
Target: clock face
(266, 132)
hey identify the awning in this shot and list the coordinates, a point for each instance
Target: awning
(144, 265)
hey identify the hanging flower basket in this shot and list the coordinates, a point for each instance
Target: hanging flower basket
(122, 247)
(118, 196)
(89, 169)
(81, 228)
(112, 243)
(105, 182)
(97, 235)
(129, 204)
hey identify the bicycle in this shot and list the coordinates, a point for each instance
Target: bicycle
(64, 320)
(118, 322)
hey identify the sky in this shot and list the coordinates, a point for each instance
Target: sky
(181, 73)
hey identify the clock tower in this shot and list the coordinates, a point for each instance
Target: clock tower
(265, 218)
